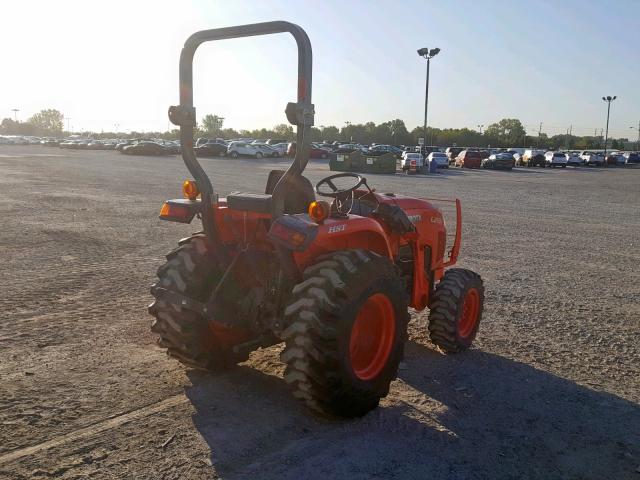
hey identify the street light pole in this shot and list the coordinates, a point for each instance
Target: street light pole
(608, 99)
(428, 54)
(15, 114)
(638, 141)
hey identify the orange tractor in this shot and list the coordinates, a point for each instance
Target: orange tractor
(333, 279)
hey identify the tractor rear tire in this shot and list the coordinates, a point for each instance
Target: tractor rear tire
(347, 326)
(456, 310)
(190, 270)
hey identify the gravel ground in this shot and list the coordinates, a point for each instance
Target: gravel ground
(550, 390)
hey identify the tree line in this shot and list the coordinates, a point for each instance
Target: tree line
(508, 132)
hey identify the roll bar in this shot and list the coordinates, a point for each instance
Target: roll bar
(300, 113)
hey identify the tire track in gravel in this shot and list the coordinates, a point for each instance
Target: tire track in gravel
(95, 429)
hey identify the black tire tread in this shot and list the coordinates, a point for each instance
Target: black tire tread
(311, 353)
(180, 330)
(444, 312)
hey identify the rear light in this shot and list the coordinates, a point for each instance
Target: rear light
(292, 238)
(190, 190)
(181, 211)
(319, 211)
(294, 232)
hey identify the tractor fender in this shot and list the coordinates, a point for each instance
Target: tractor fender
(351, 232)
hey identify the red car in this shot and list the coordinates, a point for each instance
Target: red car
(470, 159)
(314, 152)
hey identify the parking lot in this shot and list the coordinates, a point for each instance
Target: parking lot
(551, 388)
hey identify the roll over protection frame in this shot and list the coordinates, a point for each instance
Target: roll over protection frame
(300, 113)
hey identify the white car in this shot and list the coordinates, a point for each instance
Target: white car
(281, 148)
(441, 159)
(237, 149)
(574, 159)
(412, 162)
(556, 159)
(591, 158)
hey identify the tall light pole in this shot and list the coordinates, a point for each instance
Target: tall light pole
(638, 142)
(15, 114)
(608, 99)
(428, 54)
(569, 132)
(539, 132)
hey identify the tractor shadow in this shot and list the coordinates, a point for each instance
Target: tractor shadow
(474, 415)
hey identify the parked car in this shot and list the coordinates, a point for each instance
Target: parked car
(615, 159)
(632, 158)
(95, 145)
(452, 153)
(212, 149)
(499, 161)
(556, 159)
(574, 159)
(315, 152)
(145, 148)
(412, 163)
(238, 149)
(515, 154)
(268, 150)
(440, 158)
(469, 159)
(281, 148)
(532, 158)
(275, 141)
(121, 145)
(50, 142)
(201, 141)
(592, 158)
(386, 149)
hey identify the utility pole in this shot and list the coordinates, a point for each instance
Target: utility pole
(569, 136)
(539, 132)
(638, 141)
(608, 100)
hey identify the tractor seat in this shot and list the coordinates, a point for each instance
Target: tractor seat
(298, 195)
(250, 202)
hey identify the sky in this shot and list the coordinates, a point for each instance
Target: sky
(114, 65)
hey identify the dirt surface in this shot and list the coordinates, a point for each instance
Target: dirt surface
(550, 390)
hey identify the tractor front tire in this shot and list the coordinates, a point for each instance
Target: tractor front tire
(456, 310)
(190, 270)
(347, 326)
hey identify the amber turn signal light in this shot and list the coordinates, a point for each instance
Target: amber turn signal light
(319, 211)
(190, 190)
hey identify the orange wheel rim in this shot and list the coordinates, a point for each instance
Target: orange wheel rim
(372, 337)
(470, 311)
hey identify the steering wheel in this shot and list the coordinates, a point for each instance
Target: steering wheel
(336, 192)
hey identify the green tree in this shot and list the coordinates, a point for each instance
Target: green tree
(284, 131)
(8, 126)
(330, 133)
(398, 132)
(48, 121)
(212, 124)
(506, 132)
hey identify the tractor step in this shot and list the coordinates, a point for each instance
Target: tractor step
(182, 300)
